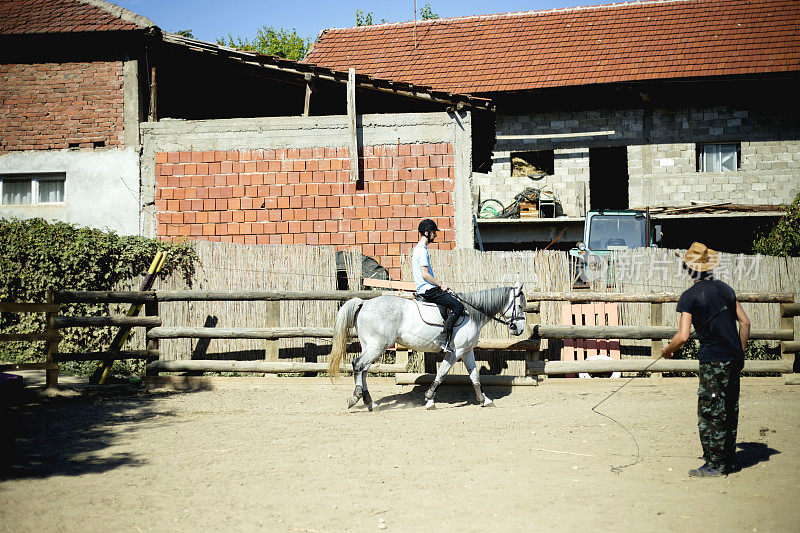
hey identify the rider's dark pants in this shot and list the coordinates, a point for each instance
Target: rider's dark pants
(447, 300)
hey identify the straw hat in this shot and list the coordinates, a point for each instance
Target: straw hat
(700, 258)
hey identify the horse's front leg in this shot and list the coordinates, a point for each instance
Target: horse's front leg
(475, 377)
(444, 368)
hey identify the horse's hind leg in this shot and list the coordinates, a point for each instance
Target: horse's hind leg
(360, 366)
(475, 377)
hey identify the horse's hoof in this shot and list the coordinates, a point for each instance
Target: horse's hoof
(372, 406)
(487, 402)
(351, 401)
(429, 405)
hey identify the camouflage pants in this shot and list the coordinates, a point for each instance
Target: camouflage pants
(718, 411)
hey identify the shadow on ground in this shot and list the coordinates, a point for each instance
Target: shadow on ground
(68, 433)
(752, 453)
(446, 396)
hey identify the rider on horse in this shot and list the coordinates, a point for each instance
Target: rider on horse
(429, 288)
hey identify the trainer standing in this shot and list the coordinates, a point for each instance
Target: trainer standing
(711, 307)
(429, 287)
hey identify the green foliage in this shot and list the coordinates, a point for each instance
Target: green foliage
(784, 238)
(186, 33)
(756, 350)
(271, 41)
(427, 13)
(36, 255)
(363, 19)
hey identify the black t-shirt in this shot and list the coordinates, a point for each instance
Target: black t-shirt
(719, 338)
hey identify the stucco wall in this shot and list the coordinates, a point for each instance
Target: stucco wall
(101, 188)
(661, 148)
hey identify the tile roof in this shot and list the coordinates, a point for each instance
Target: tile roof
(66, 16)
(575, 46)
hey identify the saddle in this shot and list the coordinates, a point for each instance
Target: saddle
(428, 312)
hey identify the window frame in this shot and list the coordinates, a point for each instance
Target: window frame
(700, 159)
(34, 178)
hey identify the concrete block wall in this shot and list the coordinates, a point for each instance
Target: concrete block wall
(661, 145)
(287, 180)
(306, 196)
(49, 106)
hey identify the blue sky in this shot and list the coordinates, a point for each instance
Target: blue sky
(209, 19)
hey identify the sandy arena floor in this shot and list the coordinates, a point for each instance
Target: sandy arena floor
(283, 454)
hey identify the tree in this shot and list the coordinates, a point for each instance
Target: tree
(784, 238)
(363, 19)
(427, 13)
(271, 41)
(186, 33)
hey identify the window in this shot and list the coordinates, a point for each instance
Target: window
(718, 157)
(32, 189)
(533, 164)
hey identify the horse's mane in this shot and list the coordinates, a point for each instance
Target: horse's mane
(486, 302)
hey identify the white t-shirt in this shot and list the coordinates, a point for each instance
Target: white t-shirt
(419, 259)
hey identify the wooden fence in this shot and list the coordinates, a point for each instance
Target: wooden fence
(155, 332)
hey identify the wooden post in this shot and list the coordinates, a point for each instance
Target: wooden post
(788, 322)
(533, 318)
(273, 320)
(401, 355)
(153, 113)
(351, 120)
(309, 89)
(151, 309)
(51, 374)
(656, 317)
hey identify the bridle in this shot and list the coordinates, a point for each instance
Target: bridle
(513, 304)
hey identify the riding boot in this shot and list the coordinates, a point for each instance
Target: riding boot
(432, 390)
(444, 340)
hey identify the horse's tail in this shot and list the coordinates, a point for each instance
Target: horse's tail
(344, 320)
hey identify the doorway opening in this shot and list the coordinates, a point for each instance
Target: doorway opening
(608, 178)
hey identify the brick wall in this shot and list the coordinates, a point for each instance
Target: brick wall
(53, 105)
(305, 196)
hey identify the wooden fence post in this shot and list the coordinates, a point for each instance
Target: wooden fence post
(533, 318)
(151, 309)
(656, 317)
(788, 322)
(51, 374)
(273, 320)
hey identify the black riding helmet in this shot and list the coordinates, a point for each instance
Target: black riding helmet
(427, 226)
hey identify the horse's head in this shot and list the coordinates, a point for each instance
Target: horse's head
(515, 310)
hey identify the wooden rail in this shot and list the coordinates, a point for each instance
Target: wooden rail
(640, 332)
(155, 331)
(267, 367)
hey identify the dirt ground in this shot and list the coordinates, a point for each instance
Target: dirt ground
(284, 454)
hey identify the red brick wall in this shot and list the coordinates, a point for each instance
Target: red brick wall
(51, 105)
(305, 196)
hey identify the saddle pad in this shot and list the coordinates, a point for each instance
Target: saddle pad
(434, 314)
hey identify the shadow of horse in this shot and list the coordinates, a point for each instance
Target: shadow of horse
(447, 396)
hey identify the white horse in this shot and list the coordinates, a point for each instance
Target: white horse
(383, 321)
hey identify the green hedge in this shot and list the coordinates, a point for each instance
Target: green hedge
(36, 255)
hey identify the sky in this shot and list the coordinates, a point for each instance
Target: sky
(210, 19)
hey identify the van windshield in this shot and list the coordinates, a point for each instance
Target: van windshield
(616, 230)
